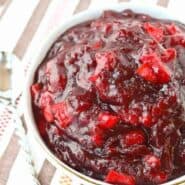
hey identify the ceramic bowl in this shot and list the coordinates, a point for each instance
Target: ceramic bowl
(42, 49)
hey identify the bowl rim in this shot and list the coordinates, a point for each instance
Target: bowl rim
(153, 10)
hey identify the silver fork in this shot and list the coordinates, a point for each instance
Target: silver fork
(7, 61)
(5, 81)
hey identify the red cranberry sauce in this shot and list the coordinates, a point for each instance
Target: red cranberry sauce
(108, 98)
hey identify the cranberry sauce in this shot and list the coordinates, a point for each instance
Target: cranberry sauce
(108, 98)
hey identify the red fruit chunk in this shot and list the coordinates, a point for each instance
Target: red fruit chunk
(168, 55)
(150, 58)
(48, 114)
(152, 162)
(154, 71)
(105, 60)
(35, 89)
(171, 29)
(134, 137)
(119, 178)
(155, 32)
(147, 73)
(62, 113)
(106, 120)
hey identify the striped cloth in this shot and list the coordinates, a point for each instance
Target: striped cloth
(23, 24)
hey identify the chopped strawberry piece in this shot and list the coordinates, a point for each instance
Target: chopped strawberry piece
(146, 71)
(35, 89)
(171, 28)
(150, 58)
(48, 114)
(63, 113)
(152, 162)
(106, 120)
(168, 55)
(153, 70)
(163, 73)
(119, 178)
(155, 32)
(105, 60)
(134, 137)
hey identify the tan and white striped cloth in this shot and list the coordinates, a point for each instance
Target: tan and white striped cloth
(23, 24)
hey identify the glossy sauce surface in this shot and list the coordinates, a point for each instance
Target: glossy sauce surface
(108, 98)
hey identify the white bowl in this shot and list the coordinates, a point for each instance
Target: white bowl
(154, 11)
